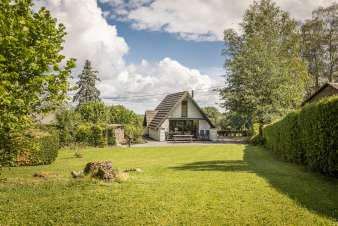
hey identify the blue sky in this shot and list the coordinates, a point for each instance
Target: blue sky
(156, 45)
(152, 47)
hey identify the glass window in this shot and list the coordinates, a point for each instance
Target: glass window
(184, 109)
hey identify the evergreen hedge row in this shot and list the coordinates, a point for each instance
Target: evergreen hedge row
(308, 136)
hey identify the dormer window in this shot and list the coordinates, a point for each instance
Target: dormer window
(184, 108)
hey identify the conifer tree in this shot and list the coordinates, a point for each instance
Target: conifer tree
(87, 92)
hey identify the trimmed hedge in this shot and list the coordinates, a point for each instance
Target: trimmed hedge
(36, 146)
(308, 137)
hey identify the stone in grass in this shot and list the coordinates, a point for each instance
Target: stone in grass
(101, 170)
(92, 167)
(77, 174)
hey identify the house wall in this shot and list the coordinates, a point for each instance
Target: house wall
(158, 134)
(193, 111)
(203, 125)
(328, 91)
(154, 134)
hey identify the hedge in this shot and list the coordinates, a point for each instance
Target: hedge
(308, 136)
(34, 146)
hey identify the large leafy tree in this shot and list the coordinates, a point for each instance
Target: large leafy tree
(320, 38)
(214, 115)
(87, 91)
(33, 73)
(266, 75)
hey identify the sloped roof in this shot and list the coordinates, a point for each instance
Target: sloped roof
(148, 117)
(331, 84)
(168, 104)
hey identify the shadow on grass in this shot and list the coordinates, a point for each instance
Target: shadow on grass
(315, 192)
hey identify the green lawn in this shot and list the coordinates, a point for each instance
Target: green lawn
(186, 185)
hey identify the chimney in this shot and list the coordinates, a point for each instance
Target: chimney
(192, 94)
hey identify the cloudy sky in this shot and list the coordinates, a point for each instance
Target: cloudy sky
(145, 49)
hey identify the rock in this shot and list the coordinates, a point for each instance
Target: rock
(102, 170)
(92, 167)
(77, 174)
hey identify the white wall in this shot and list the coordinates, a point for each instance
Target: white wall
(154, 134)
(158, 135)
(193, 111)
(203, 125)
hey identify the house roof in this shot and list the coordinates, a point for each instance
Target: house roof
(331, 84)
(168, 104)
(148, 117)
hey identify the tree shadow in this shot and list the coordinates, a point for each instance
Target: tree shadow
(315, 192)
(217, 165)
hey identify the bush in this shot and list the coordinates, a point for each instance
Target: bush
(308, 137)
(32, 147)
(97, 135)
(83, 133)
(66, 124)
(256, 135)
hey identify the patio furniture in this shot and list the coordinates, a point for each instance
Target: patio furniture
(182, 138)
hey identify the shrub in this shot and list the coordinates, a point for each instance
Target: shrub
(111, 139)
(83, 133)
(33, 146)
(97, 135)
(308, 137)
(93, 112)
(66, 124)
(256, 135)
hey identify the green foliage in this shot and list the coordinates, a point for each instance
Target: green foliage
(34, 75)
(67, 120)
(83, 133)
(111, 139)
(214, 115)
(93, 112)
(97, 136)
(134, 132)
(120, 115)
(266, 74)
(87, 92)
(256, 134)
(308, 137)
(31, 147)
(320, 49)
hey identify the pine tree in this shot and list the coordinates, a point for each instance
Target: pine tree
(87, 92)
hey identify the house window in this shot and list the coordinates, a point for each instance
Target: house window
(184, 109)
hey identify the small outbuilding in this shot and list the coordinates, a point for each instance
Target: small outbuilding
(328, 89)
(178, 115)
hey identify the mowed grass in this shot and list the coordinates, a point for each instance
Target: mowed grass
(186, 185)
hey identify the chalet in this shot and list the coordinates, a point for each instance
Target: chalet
(329, 89)
(178, 115)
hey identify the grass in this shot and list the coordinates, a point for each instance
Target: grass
(186, 185)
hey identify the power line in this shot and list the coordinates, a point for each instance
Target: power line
(210, 89)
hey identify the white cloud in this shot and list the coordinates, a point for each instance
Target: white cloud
(199, 19)
(91, 37)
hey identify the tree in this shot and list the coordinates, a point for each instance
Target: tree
(120, 115)
(320, 38)
(266, 76)
(87, 92)
(93, 112)
(34, 75)
(214, 115)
